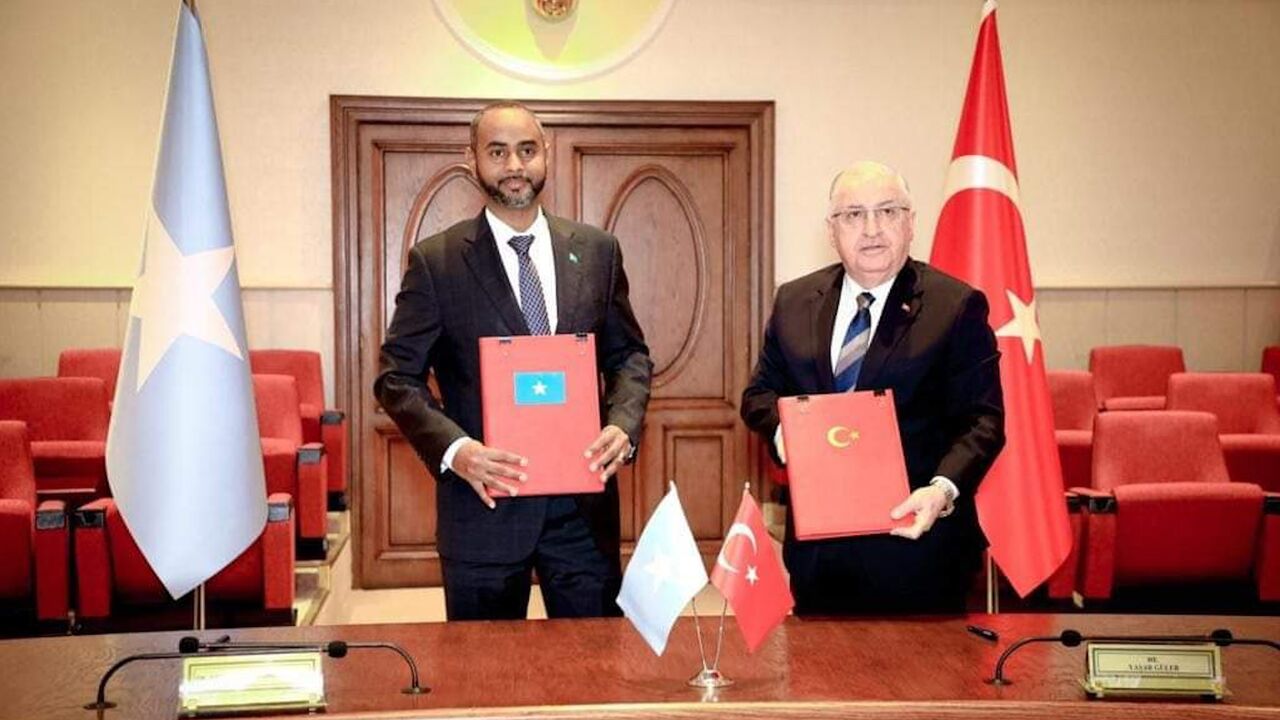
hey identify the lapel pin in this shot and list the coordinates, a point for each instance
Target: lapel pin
(573, 258)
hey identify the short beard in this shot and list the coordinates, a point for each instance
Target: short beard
(514, 202)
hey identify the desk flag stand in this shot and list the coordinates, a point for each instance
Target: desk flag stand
(709, 677)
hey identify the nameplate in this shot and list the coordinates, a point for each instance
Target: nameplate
(1157, 669)
(227, 683)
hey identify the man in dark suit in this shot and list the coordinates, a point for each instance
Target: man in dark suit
(879, 319)
(514, 270)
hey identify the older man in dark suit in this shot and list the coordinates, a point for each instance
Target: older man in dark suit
(514, 270)
(879, 319)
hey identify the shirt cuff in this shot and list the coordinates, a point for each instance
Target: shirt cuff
(777, 445)
(950, 490)
(953, 492)
(446, 462)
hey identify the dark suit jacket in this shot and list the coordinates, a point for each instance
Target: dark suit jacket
(455, 291)
(933, 347)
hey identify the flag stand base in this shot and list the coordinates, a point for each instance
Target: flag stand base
(709, 678)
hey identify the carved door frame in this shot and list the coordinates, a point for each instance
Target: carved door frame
(348, 113)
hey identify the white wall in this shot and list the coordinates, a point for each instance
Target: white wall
(1145, 130)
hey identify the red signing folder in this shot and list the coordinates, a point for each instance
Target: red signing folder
(540, 399)
(844, 457)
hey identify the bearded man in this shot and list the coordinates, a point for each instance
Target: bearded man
(514, 270)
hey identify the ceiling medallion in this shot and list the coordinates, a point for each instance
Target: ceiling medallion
(554, 40)
(554, 10)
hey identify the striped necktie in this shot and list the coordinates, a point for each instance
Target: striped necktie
(532, 302)
(856, 341)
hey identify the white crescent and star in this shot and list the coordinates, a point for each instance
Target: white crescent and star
(742, 530)
(174, 296)
(1023, 326)
(833, 436)
(978, 172)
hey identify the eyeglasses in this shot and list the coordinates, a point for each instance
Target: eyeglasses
(856, 217)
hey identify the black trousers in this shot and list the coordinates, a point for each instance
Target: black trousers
(576, 579)
(882, 574)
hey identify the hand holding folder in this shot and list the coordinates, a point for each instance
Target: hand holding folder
(844, 459)
(540, 399)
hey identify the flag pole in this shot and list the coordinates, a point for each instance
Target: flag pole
(199, 607)
(702, 652)
(993, 586)
(710, 678)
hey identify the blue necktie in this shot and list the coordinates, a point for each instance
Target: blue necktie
(532, 302)
(856, 341)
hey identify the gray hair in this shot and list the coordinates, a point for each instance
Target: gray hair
(868, 169)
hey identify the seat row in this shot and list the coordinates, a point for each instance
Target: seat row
(82, 565)
(1244, 404)
(322, 425)
(1172, 476)
(1134, 377)
(1162, 510)
(303, 445)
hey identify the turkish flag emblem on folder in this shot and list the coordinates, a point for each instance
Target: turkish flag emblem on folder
(844, 456)
(540, 398)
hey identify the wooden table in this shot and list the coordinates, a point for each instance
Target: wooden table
(901, 668)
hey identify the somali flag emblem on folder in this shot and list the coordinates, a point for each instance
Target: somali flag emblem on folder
(539, 388)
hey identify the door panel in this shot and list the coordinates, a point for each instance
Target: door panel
(685, 187)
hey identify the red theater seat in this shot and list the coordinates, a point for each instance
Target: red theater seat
(1162, 510)
(1271, 364)
(67, 423)
(1133, 377)
(101, 363)
(320, 425)
(1248, 420)
(117, 590)
(292, 465)
(34, 563)
(1074, 408)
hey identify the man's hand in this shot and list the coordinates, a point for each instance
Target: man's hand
(608, 452)
(483, 466)
(927, 503)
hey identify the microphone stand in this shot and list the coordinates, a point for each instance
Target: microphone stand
(1072, 638)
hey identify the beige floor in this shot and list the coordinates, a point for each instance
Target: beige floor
(347, 606)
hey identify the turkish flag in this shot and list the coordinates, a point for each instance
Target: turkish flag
(749, 575)
(980, 239)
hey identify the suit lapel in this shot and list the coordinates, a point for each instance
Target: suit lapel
(900, 310)
(481, 256)
(570, 276)
(822, 309)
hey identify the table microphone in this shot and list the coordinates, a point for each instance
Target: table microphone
(1072, 638)
(334, 649)
(101, 702)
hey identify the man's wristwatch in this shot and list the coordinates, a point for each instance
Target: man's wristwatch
(949, 490)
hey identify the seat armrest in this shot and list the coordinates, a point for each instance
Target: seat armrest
(1063, 583)
(278, 553)
(333, 432)
(1266, 570)
(1096, 502)
(93, 560)
(312, 501)
(53, 561)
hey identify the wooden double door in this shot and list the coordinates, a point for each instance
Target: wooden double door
(687, 189)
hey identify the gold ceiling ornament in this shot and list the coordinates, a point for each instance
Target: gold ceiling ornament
(554, 10)
(554, 40)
